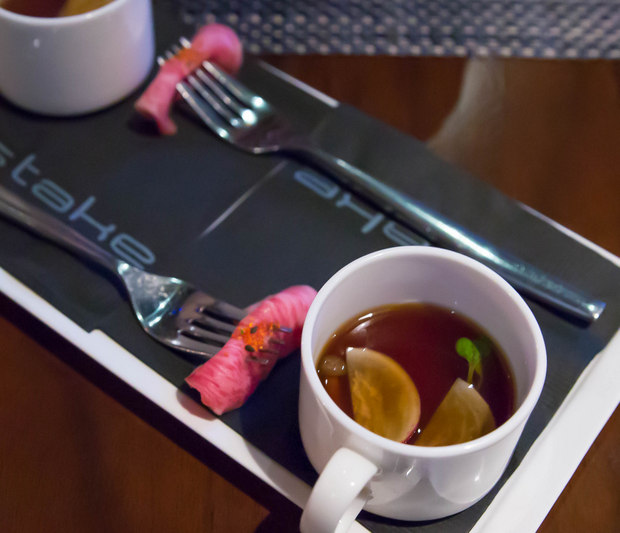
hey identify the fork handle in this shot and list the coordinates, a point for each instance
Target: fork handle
(445, 233)
(45, 225)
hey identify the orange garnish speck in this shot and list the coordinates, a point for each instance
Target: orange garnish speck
(254, 335)
(190, 57)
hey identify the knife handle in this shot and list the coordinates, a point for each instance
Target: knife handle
(439, 230)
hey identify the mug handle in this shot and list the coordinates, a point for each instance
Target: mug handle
(338, 495)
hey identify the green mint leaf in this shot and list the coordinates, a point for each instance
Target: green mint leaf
(484, 345)
(468, 350)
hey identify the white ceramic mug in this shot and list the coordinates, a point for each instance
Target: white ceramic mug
(359, 469)
(76, 64)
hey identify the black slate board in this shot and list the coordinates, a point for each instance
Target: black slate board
(289, 225)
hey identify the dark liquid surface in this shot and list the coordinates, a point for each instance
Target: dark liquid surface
(421, 338)
(48, 8)
(34, 8)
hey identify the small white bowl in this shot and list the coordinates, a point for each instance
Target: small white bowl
(77, 64)
(359, 468)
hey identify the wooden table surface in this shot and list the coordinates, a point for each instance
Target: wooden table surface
(81, 451)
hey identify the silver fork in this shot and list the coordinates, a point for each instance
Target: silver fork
(170, 310)
(247, 121)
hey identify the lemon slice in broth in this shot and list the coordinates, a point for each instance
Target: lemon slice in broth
(78, 7)
(462, 415)
(385, 399)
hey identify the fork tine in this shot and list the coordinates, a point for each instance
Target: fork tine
(199, 106)
(204, 111)
(236, 88)
(205, 324)
(229, 103)
(221, 102)
(201, 334)
(233, 86)
(197, 347)
(211, 84)
(218, 103)
(220, 107)
(225, 311)
(211, 323)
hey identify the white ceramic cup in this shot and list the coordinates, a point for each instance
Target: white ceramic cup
(77, 64)
(359, 469)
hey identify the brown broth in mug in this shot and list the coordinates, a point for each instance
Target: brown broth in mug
(421, 338)
(52, 8)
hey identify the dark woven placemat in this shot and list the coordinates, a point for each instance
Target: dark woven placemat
(507, 28)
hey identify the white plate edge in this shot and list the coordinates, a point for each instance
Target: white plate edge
(119, 361)
(528, 495)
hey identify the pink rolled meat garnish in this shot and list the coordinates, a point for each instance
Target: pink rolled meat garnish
(213, 42)
(272, 330)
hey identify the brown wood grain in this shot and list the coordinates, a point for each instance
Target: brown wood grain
(81, 451)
